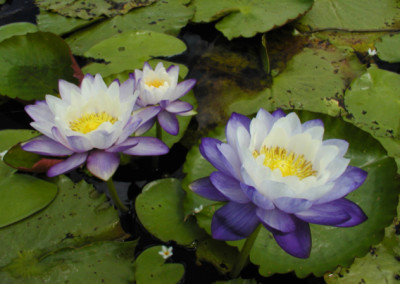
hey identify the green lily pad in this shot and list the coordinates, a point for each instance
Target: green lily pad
(59, 24)
(108, 262)
(20, 195)
(246, 18)
(352, 15)
(381, 264)
(89, 9)
(150, 267)
(152, 18)
(13, 29)
(159, 209)
(331, 246)
(32, 64)
(68, 241)
(373, 101)
(389, 48)
(129, 50)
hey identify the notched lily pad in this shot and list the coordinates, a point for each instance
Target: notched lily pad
(247, 17)
(89, 9)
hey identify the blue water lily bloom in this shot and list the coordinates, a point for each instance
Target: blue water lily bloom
(279, 172)
(91, 123)
(159, 90)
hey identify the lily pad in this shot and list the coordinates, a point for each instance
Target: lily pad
(373, 101)
(32, 64)
(129, 50)
(246, 18)
(150, 267)
(89, 9)
(159, 209)
(389, 48)
(63, 238)
(331, 246)
(352, 15)
(380, 265)
(13, 29)
(151, 18)
(20, 195)
(59, 24)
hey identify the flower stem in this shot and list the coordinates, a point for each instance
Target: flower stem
(115, 197)
(156, 159)
(158, 131)
(244, 253)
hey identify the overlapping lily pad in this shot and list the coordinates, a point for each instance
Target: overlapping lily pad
(13, 29)
(389, 48)
(64, 237)
(150, 267)
(32, 64)
(352, 15)
(20, 195)
(129, 50)
(249, 17)
(331, 246)
(89, 9)
(167, 16)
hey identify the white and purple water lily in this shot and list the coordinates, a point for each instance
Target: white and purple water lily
(276, 171)
(159, 89)
(91, 123)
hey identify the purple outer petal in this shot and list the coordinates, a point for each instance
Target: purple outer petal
(69, 164)
(257, 198)
(128, 143)
(312, 123)
(144, 127)
(79, 144)
(102, 164)
(179, 107)
(168, 122)
(40, 111)
(279, 113)
(236, 120)
(128, 129)
(147, 146)
(234, 221)
(355, 212)
(296, 243)
(204, 188)
(350, 180)
(229, 187)
(292, 205)
(44, 145)
(277, 220)
(182, 88)
(209, 150)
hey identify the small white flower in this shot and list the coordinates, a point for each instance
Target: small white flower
(165, 252)
(198, 209)
(371, 52)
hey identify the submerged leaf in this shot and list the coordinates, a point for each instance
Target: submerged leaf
(247, 17)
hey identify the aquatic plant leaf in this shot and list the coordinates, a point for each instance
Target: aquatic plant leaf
(89, 9)
(13, 29)
(108, 262)
(159, 209)
(129, 50)
(373, 101)
(331, 246)
(32, 64)
(151, 18)
(20, 195)
(352, 15)
(150, 267)
(389, 48)
(67, 241)
(246, 18)
(380, 265)
(59, 24)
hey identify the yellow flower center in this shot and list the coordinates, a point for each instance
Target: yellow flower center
(90, 121)
(289, 163)
(155, 83)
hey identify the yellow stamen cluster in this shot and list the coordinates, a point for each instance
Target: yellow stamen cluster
(289, 163)
(90, 121)
(155, 83)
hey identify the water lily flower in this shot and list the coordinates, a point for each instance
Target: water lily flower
(159, 89)
(165, 252)
(279, 172)
(91, 123)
